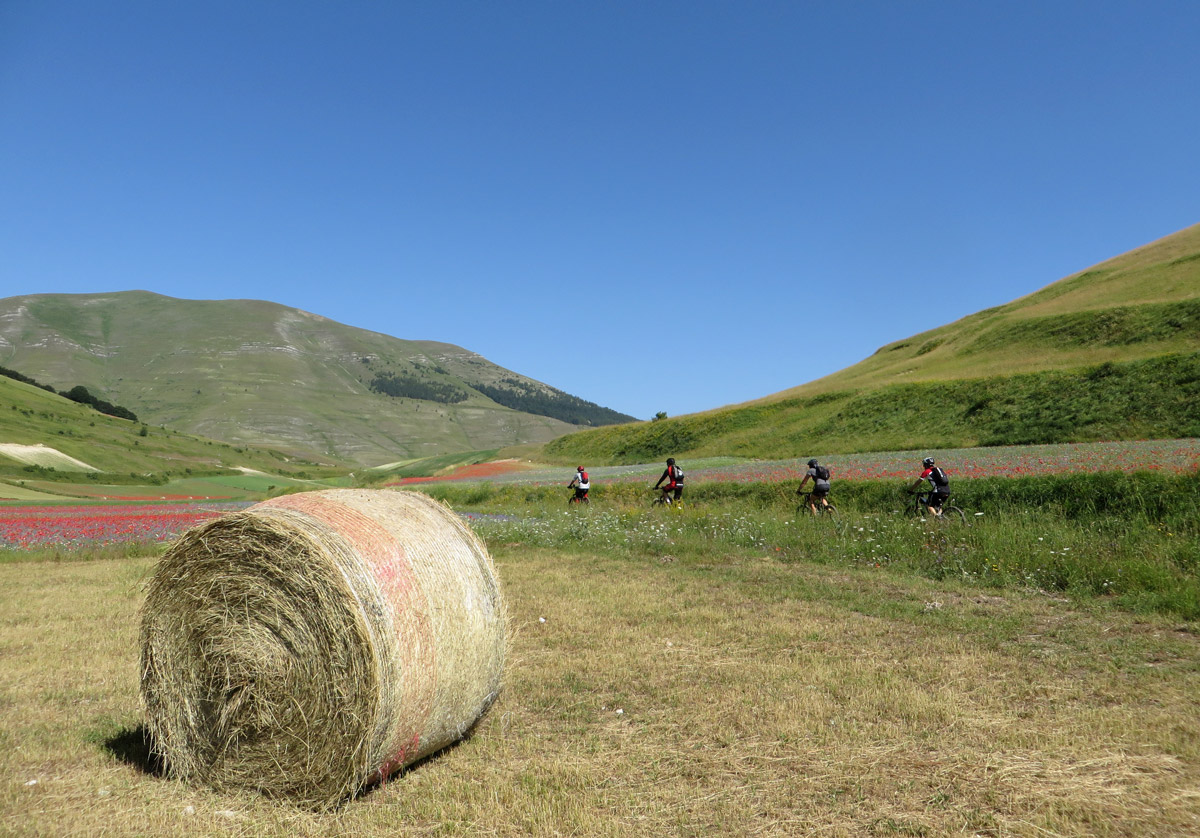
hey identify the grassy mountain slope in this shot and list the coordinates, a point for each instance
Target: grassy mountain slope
(1112, 352)
(258, 373)
(31, 416)
(1138, 305)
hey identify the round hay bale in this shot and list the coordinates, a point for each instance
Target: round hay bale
(315, 643)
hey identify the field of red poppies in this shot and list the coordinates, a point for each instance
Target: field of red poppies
(72, 527)
(476, 471)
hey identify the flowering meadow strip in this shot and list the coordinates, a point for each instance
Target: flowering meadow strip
(69, 527)
(471, 472)
(1168, 456)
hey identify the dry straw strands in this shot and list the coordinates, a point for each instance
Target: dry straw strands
(315, 643)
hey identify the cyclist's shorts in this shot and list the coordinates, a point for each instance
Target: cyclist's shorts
(678, 491)
(580, 493)
(820, 491)
(937, 499)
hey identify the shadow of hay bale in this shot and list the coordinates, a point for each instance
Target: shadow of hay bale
(135, 748)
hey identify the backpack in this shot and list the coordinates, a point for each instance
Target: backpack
(822, 473)
(939, 477)
(678, 474)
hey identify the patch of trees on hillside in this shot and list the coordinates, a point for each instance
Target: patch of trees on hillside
(78, 393)
(403, 386)
(520, 395)
(24, 379)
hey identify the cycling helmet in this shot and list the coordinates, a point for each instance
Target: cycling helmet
(813, 462)
(579, 469)
(928, 461)
(670, 461)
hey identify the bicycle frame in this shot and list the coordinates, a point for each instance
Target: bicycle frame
(806, 502)
(920, 506)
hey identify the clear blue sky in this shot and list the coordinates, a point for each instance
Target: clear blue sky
(652, 205)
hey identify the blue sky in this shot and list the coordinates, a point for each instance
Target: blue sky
(652, 205)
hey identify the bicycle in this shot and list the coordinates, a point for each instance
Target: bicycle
(575, 496)
(919, 508)
(664, 499)
(822, 511)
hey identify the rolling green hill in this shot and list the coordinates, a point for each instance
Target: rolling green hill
(40, 431)
(257, 373)
(1112, 352)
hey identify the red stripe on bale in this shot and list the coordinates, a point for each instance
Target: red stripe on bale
(389, 564)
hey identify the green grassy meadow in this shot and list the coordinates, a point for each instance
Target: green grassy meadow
(1129, 543)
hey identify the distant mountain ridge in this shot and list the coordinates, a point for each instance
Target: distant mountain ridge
(1111, 352)
(259, 373)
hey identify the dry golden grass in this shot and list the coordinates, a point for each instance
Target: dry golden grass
(669, 697)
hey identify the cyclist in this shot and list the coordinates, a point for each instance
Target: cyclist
(939, 485)
(820, 491)
(580, 484)
(674, 477)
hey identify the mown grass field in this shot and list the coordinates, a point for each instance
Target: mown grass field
(730, 695)
(728, 669)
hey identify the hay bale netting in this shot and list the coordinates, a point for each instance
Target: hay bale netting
(315, 643)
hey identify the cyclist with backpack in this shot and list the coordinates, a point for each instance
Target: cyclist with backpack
(674, 477)
(580, 484)
(819, 475)
(939, 485)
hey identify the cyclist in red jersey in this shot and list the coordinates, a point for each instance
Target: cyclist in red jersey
(939, 485)
(674, 477)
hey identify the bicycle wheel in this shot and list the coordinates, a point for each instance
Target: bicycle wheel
(953, 513)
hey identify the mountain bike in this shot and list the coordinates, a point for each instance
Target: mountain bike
(919, 508)
(664, 499)
(575, 498)
(822, 513)
(830, 512)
